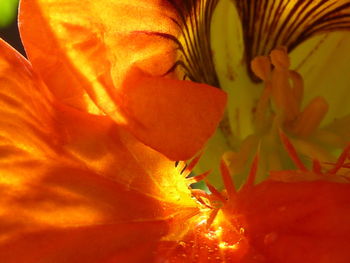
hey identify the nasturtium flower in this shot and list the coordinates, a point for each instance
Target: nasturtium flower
(112, 58)
(316, 36)
(91, 126)
(76, 187)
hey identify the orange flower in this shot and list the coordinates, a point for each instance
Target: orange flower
(118, 60)
(76, 187)
(82, 178)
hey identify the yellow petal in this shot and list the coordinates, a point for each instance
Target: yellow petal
(323, 62)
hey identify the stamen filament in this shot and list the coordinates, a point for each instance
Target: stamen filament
(310, 118)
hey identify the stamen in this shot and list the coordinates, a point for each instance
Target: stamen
(285, 88)
(279, 58)
(282, 91)
(310, 118)
(262, 107)
(261, 66)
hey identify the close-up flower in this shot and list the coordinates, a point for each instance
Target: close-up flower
(169, 131)
(315, 34)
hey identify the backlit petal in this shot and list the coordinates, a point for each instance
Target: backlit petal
(74, 187)
(119, 56)
(119, 242)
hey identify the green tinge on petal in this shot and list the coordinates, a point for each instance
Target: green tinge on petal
(323, 61)
(228, 46)
(211, 157)
(8, 10)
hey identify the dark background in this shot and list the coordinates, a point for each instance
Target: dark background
(10, 35)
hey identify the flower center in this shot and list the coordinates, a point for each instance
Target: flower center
(282, 97)
(216, 43)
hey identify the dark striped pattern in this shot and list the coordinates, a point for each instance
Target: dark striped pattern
(194, 18)
(268, 24)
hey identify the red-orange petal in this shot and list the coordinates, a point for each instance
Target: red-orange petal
(163, 110)
(117, 52)
(118, 242)
(296, 222)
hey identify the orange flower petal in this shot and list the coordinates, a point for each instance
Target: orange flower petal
(74, 185)
(25, 110)
(294, 222)
(119, 242)
(178, 113)
(118, 52)
(103, 147)
(66, 213)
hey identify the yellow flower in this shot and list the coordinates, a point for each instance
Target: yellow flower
(317, 69)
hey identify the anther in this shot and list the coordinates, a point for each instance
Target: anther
(261, 66)
(279, 58)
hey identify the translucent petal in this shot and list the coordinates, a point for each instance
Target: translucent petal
(73, 185)
(323, 63)
(120, 58)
